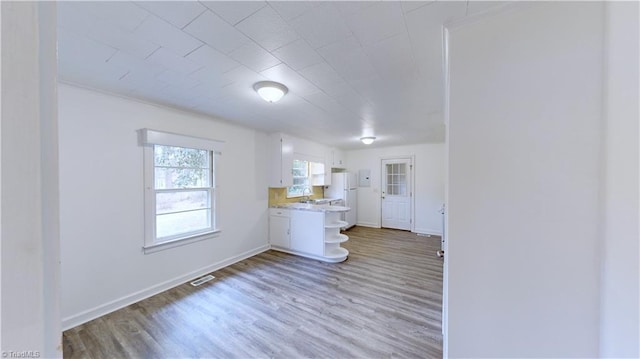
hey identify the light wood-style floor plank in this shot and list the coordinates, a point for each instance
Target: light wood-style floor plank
(384, 301)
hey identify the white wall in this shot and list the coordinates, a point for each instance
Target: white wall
(524, 167)
(428, 183)
(101, 200)
(30, 242)
(620, 271)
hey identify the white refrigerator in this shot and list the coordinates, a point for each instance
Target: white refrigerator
(344, 185)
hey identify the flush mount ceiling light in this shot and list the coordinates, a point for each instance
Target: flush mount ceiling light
(367, 140)
(270, 91)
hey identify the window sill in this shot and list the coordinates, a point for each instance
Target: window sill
(180, 242)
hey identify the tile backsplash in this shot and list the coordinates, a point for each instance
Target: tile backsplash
(279, 195)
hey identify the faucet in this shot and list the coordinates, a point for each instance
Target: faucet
(304, 190)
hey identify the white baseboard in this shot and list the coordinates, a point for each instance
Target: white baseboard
(431, 231)
(93, 313)
(365, 224)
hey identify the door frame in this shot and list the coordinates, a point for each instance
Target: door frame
(412, 199)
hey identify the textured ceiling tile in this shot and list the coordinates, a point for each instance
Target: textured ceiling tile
(135, 64)
(123, 14)
(211, 29)
(172, 61)
(234, 11)
(408, 6)
(177, 80)
(289, 10)
(267, 29)
(211, 76)
(162, 33)
(210, 57)
(322, 75)
(474, 7)
(348, 71)
(298, 55)
(393, 57)
(177, 13)
(326, 103)
(348, 59)
(245, 76)
(348, 8)
(254, 57)
(350, 99)
(321, 25)
(285, 75)
(102, 31)
(377, 22)
(77, 49)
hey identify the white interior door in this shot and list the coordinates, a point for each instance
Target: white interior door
(396, 193)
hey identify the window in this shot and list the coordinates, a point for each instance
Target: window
(305, 174)
(179, 189)
(396, 179)
(300, 179)
(183, 191)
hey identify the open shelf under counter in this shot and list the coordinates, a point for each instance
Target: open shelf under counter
(336, 254)
(336, 238)
(336, 224)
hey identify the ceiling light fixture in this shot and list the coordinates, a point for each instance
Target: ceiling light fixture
(270, 91)
(367, 140)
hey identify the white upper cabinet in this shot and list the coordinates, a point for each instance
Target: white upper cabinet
(284, 149)
(338, 159)
(334, 158)
(281, 153)
(306, 150)
(317, 174)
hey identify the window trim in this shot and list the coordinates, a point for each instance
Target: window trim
(148, 139)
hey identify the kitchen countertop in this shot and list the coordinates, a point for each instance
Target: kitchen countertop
(312, 207)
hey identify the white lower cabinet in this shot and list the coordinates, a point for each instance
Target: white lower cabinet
(280, 228)
(305, 236)
(312, 234)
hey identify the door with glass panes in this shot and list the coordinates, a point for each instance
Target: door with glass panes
(396, 193)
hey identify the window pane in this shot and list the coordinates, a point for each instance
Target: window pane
(167, 202)
(300, 168)
(300, 181)
(400, 179)
(296, 191)
(168, 178)
(172, 224)
(181, 157)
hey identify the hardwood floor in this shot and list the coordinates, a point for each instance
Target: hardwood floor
(384, 301)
